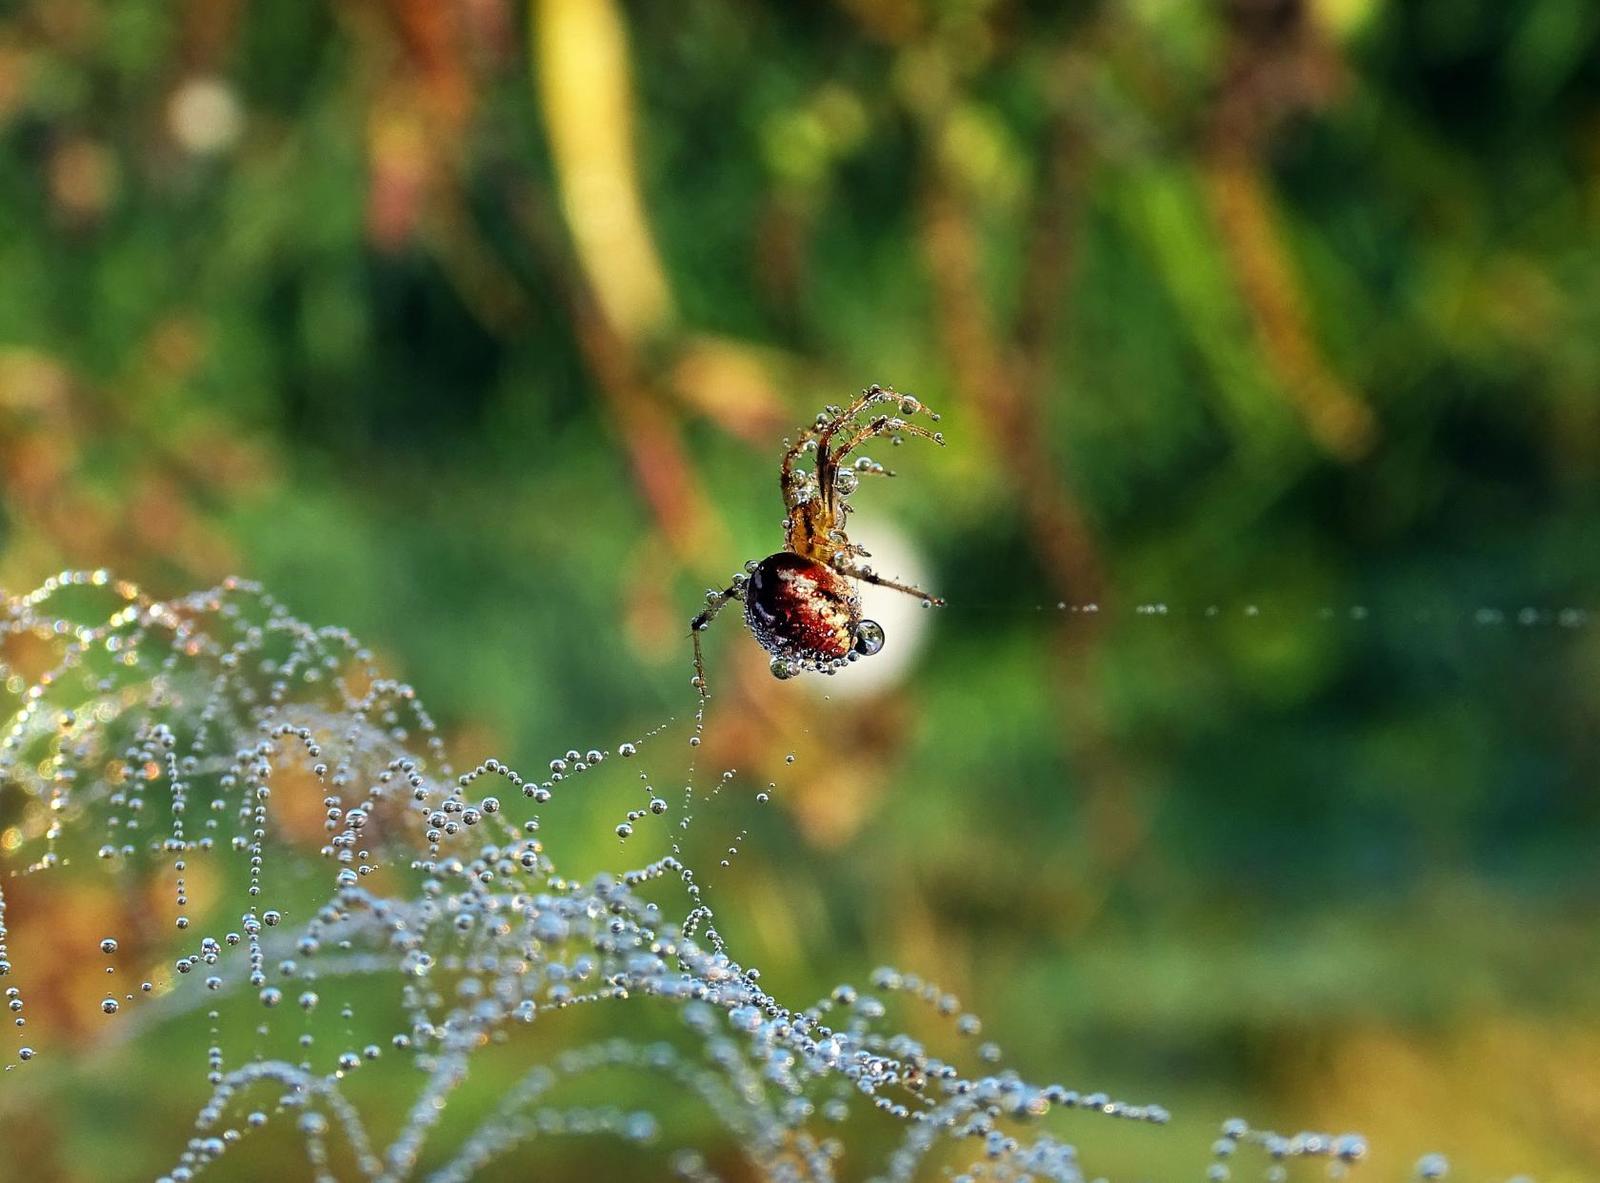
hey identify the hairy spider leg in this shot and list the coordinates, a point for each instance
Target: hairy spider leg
(827, 459)
(717, 602)
(786, 472)
(872, 576)
(871, 396)
(830, 457)
(812, 522)
(878, 426)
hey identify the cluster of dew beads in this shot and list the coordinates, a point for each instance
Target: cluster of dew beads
(1341, 1151)
(327, 871)
(1569, 618)
(148, 738)
(1275, 1153)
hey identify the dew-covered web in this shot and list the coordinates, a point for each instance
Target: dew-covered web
(213, 742)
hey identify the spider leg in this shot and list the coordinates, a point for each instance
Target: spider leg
(878, 426)
(829, 424)
(716, 601)
(871, 396)
(871, 576)
(828, 458)
(790, 480)
(823, 433)
(815, 523)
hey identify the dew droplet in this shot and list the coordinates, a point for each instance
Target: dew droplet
(869, 638)
(1432, 1166)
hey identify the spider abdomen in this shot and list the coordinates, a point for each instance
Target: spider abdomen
(801, 610)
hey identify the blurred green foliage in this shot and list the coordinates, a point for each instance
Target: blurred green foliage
(465, 327)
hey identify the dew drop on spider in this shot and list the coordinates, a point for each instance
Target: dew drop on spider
(869, 638)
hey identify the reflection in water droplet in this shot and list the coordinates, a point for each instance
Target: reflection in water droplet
(869, 637)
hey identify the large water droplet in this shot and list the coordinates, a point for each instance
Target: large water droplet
(869, 637)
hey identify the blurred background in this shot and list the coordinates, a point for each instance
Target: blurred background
(477, 327)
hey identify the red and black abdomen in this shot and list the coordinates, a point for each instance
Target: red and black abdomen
(801, 609)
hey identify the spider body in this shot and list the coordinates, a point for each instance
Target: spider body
(800, 604)
(801, 610)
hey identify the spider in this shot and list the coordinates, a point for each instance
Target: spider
(801, 604)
